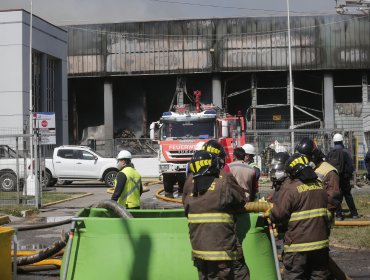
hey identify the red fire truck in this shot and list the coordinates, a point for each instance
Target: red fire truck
(179, 131)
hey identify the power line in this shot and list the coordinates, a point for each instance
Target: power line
(232, 7)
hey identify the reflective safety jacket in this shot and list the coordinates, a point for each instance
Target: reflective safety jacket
(304, 208)
(130, 196)
(328, 176)
(211, 218)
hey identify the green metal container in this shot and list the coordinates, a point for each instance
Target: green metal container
(153, 245)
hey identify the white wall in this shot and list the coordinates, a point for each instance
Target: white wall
(11, 71)
(14, 68)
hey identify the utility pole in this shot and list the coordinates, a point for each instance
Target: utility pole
(30, 97)
(291, 90)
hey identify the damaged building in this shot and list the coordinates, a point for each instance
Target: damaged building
(125, 75)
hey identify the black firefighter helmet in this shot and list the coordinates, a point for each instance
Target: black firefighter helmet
(306, 147)
(297, 166)
(215, 148)
(204, 163)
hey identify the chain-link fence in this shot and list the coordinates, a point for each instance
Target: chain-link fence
(269, 141)
(18, 185)
(139, 147)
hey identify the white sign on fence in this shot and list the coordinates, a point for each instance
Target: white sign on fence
(45, 126)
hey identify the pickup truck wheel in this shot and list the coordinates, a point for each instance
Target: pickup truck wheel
(64, 182)
(109, 178)
(8, 182)
(48, 180)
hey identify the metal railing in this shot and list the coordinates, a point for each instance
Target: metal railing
(17, 186)
(280, 140)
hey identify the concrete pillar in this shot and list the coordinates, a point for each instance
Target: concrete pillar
(61, 103)
(43, 83)
(254, 99)
(328, 101)
(365, 89)
(216, 91)
(108, 117)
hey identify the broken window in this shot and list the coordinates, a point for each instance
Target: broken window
(348, 87)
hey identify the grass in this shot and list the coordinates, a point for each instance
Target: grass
(48, 197)
(356, 237)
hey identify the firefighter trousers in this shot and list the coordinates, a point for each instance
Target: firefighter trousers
(225, 270)
(310, 265)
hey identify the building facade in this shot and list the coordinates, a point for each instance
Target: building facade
(127, 72)
(49, 72)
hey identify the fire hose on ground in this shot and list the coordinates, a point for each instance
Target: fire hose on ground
(41, 258)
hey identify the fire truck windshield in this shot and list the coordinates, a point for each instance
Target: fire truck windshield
(188, 129)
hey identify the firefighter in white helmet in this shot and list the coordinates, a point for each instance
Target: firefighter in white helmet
(127, 185)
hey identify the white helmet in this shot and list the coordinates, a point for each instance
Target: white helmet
(124, 154)
(199, 146)
(338, 137)
(249, 149)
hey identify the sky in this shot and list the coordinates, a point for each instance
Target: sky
(68, 12)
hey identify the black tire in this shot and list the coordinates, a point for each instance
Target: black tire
(8, 182)
(64, 182)
(109, 178)
(48, 180)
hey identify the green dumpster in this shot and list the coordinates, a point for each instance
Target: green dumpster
(153, 245)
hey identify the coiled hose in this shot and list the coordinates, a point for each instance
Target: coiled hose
(49, 251)
(45, 253)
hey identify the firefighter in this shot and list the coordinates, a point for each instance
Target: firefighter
(215, 148)
(302, 205)
(327, 174)
(127, 185)
(250, 152)
(211, 198)
(277, 173)
(244, 174)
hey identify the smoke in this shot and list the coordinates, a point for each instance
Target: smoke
(129, 110)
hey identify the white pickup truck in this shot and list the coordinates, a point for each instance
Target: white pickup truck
(10, 166)
(78, 163)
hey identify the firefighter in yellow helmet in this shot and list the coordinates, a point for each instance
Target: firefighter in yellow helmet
(302, 205)
(211, 198)
(127, 185)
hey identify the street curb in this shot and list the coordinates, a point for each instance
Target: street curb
(4, 220)
(65, 200)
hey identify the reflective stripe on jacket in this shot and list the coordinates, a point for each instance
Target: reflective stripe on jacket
(309, 246)
(130, 196)
(303, 207)
(211, 218)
